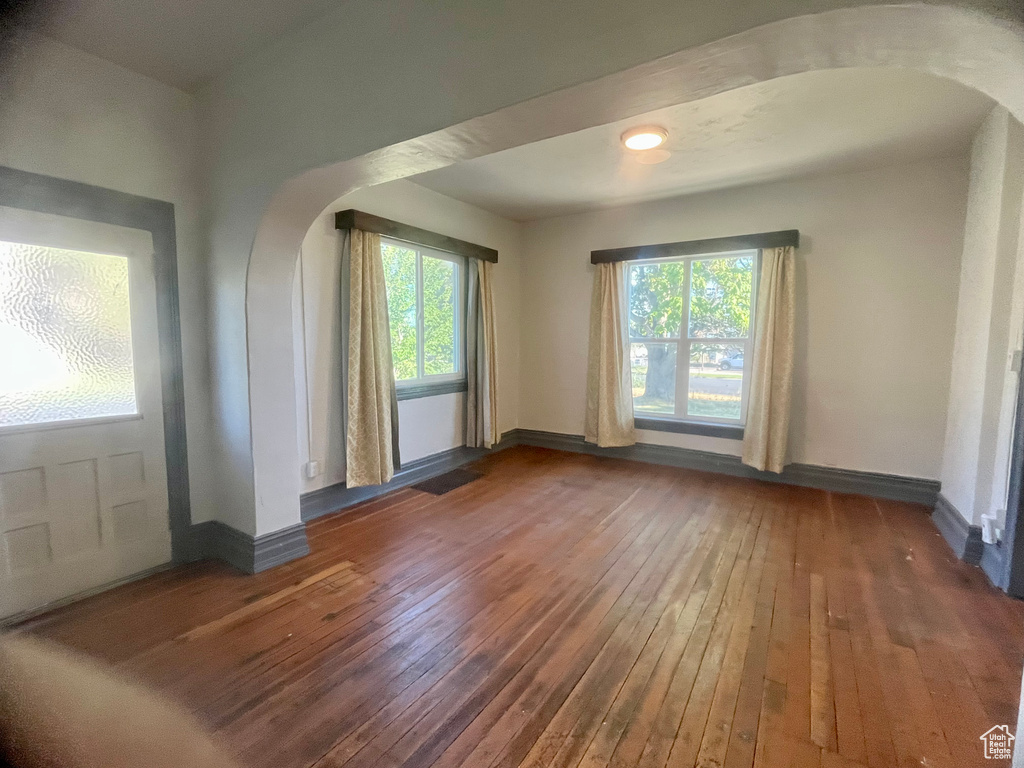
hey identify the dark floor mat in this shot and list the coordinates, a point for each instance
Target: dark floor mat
(449, 481)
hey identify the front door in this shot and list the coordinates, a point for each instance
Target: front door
(83, 477)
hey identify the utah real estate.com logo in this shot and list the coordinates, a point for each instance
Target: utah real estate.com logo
(998, 743)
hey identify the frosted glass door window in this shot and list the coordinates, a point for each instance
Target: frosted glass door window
(65, 336)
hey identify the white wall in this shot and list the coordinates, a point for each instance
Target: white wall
(74, 116)
(426, 425)
(879, 265)
(988, 325)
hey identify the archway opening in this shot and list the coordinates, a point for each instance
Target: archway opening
(870, 37)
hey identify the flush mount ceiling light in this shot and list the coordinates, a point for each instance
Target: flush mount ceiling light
(644, 137)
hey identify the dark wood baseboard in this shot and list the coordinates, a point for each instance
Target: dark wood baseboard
(337, 497)
(897, 487)
(993, 563)
(247, 553)
(964, 539)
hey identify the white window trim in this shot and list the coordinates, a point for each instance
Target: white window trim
(684, 343)
(423, 380)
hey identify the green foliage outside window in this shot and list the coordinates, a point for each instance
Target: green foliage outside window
(439, 302)
(400, 279)
(656, 299)
(719, 308)
(440, 306)
(719, 304)
(720, 298)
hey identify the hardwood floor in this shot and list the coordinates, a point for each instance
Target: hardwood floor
(567, 610)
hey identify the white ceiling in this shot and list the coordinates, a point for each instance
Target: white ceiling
(836, 120)
(182, 43)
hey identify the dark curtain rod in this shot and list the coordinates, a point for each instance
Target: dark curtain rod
(696, 247)
(367, 222)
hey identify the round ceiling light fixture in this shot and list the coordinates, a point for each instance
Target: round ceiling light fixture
(644, 138)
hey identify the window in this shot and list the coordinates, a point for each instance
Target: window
(698, 310)
(425, 311)
(66, 336)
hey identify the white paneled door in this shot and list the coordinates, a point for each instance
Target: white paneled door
(83, 476)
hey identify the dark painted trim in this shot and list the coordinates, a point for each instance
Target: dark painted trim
(430, 390)
(367, 222)
(728, 431)
(217, 541)
(337, 497)
(47, 194)
(279, 547)
(696, 247)
(993, 563)
(249, 554)
(896, 487)
(196, 546)
(964, 539)
(509, 439)
(1012, 579)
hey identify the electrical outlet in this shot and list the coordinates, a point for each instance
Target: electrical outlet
(989, 529)
(312, 469)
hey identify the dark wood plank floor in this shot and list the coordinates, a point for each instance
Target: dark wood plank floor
(566, 610)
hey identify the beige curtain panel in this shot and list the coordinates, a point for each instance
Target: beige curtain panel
(771, 376)
(371, 446)
(481, 357)
(609, 420)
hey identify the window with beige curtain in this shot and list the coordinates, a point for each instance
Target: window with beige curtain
(371, 438)
(682, 341)
(766, 436)
(609, 415)
(482, 429)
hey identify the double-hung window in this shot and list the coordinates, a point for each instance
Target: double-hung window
(426, 311)
(690, 327)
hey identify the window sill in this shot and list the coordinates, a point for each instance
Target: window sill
(430, 390)
(727, 431)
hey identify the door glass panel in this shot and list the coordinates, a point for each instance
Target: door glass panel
(716, 381)
(65, 336)
(653, 367)
(440, 283)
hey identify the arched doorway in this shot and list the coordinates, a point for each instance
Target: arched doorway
(890, 36)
